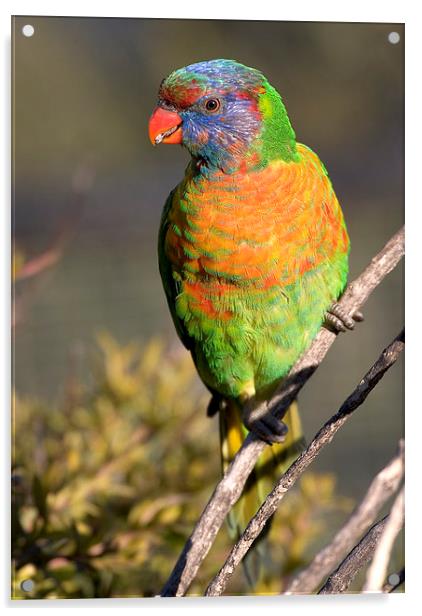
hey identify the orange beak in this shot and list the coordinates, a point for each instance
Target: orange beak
(165, 127)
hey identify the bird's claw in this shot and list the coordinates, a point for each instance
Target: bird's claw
(339, 320)
(264, 425)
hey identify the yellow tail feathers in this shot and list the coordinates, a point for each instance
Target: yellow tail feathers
(273, 462)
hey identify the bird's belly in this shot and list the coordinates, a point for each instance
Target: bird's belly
(254, 270)
(248, 338)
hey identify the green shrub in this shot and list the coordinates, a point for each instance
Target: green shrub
(108, 484)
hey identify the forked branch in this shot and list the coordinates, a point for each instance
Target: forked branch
(324, 436)
(378, 570)
(340, 580)
(229, 489)
(382, 487)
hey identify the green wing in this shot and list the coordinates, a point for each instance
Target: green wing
(172, 288)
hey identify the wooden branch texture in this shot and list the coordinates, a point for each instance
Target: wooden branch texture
(377, 572)
(231, 485)
(340, 580)
(324, 436)
(383, 486)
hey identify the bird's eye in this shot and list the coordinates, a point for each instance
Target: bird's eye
(212, 105)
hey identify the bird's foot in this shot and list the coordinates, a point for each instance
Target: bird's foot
(263, 424)
(337, 319)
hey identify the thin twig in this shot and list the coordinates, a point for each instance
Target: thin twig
(340, 580)
(231, 485)
(377, 572)
(322, 438)
(382, 487)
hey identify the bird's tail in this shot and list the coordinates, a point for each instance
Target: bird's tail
(273, 462)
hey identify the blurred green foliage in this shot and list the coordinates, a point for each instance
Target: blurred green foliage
(108, 484)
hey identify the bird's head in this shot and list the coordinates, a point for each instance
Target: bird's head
(226, 114)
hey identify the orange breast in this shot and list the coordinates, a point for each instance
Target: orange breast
(264, 228)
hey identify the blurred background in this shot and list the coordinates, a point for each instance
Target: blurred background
(92, 330)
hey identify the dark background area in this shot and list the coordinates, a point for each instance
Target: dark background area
(88, 183)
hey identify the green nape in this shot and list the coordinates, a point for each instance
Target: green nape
(278, 137)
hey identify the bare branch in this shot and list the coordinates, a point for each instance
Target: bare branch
(322, 438)
(377, 572)
(231, 485)
(340, 580)
(383, 486)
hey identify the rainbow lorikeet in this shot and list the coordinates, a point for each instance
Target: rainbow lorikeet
(253, 248)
